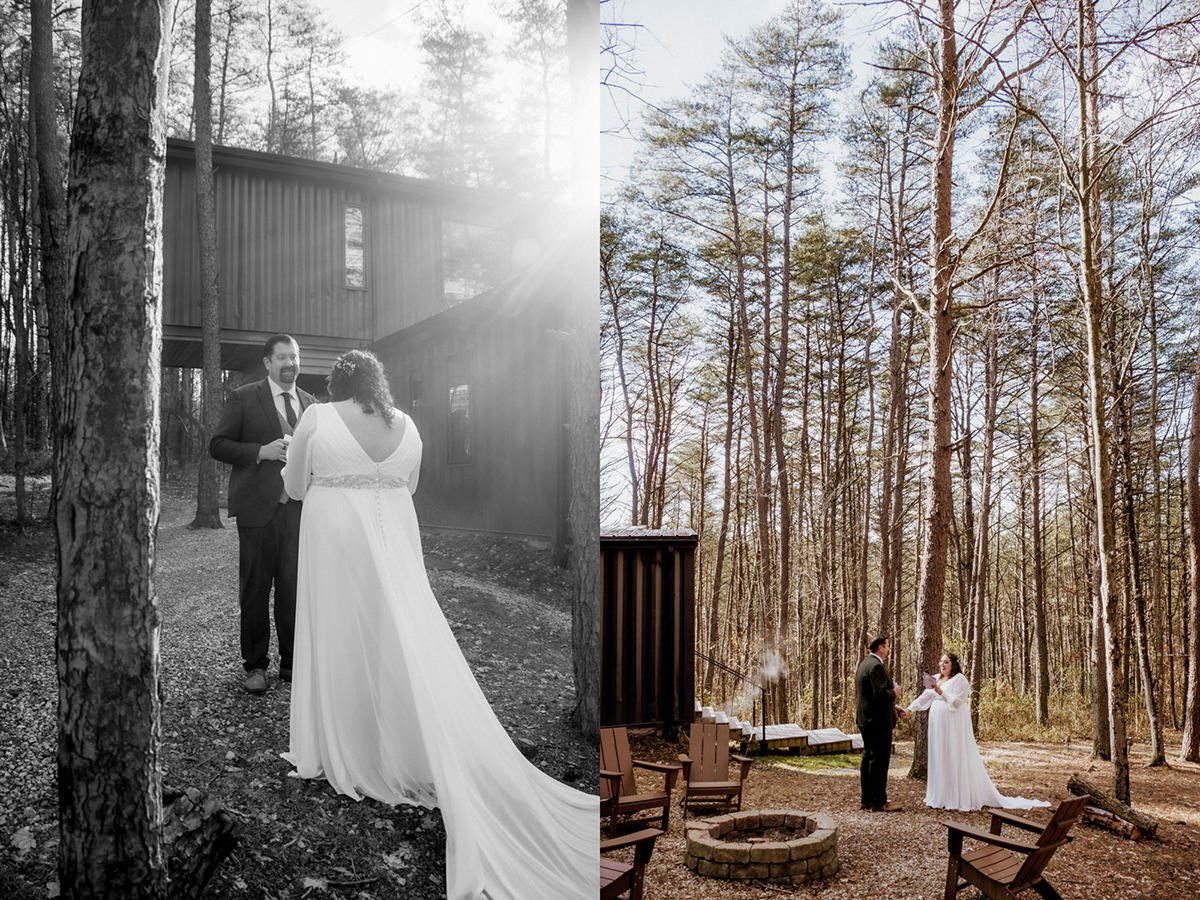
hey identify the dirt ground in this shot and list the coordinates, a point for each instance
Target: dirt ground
(509, 607)
(903, 854)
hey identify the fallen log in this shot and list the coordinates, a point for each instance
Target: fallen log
(1080, 786)
(1102, 818)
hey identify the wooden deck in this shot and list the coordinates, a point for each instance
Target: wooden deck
(787, 738)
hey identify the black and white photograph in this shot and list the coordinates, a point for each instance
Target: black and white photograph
(299, 524)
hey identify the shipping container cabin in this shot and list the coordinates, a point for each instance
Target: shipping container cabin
(457, 291)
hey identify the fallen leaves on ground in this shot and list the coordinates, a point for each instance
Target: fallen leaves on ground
(903, 854)
(299, 838)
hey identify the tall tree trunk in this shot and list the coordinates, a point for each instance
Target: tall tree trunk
(979, 568)
(52, 218)
(583, 427)
(1190, 746)
(226, 51)
(1134, 577)
(208, 512)
(893, 475)
(1039, 564)
(17, 209)
(941, 331)
(727, 500)
(110, 803)
(1093, 311)
(781, 374)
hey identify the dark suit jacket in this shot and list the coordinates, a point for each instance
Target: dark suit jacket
(876, 696)
(248, 421)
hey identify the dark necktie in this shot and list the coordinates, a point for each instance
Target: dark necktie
(291, 413)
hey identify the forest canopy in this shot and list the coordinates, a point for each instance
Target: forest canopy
(864, 335)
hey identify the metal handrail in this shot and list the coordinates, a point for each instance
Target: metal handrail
(748, 680)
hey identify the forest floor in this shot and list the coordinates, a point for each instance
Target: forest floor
(508, 604)
(903, 854)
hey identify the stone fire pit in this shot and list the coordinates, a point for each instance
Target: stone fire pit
(773, 844)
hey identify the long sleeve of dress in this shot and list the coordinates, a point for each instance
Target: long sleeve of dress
(924, 701)
(956, 691)
(298, 470)
(955, 694)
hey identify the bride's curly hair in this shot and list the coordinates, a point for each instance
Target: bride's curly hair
(955, 667)
(358, 375)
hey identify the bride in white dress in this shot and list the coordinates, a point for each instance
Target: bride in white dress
(383, 703)
(956, 777)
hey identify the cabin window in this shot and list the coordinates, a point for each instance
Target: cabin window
(416, 393)
(353, 248)
(460, 450)
(475, 259)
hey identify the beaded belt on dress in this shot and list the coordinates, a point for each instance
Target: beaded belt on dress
(362, 481)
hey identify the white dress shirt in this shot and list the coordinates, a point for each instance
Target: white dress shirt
(277, 392)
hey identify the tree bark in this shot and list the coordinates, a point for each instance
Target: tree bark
(1080, 786)
(109, 780)
(17, 263)
(979, 568)
(583, 426)
(1134, 579)
(208, 512)
(1093, 310)
(52, 220)
(1190, 746)
(728, 499)
(1039, 563)
(941, 331)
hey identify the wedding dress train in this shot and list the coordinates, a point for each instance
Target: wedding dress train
(956, 776)
(383, 702)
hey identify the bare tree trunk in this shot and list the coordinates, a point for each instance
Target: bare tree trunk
(1134, 578)
(727, 500)
(1190, 746)
(17, 209)
(979, 573)
(941, 331)
(583, 429)
(1039, 564)
(208, 512)
(52, 218)
(110, 803)
(1093, 310)
(893, 476)
(273, 110)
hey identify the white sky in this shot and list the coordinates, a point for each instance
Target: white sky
(383, 36)
(680, 41)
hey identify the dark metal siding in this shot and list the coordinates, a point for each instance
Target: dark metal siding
(280, 253)
(647, 632)
(514, 365)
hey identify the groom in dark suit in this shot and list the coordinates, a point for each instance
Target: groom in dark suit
(876, 718)
(252, 436)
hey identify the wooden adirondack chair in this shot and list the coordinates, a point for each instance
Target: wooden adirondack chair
(1004, 867)
(617, 877)
(706, 767)
(618, 787)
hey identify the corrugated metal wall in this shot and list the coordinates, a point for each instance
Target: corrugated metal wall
(514, 365)
(280, 245)
(647, 627)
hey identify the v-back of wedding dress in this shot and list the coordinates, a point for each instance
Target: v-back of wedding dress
(383, 701)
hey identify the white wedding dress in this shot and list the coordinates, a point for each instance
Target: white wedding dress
(956, 776)
(383, 702)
